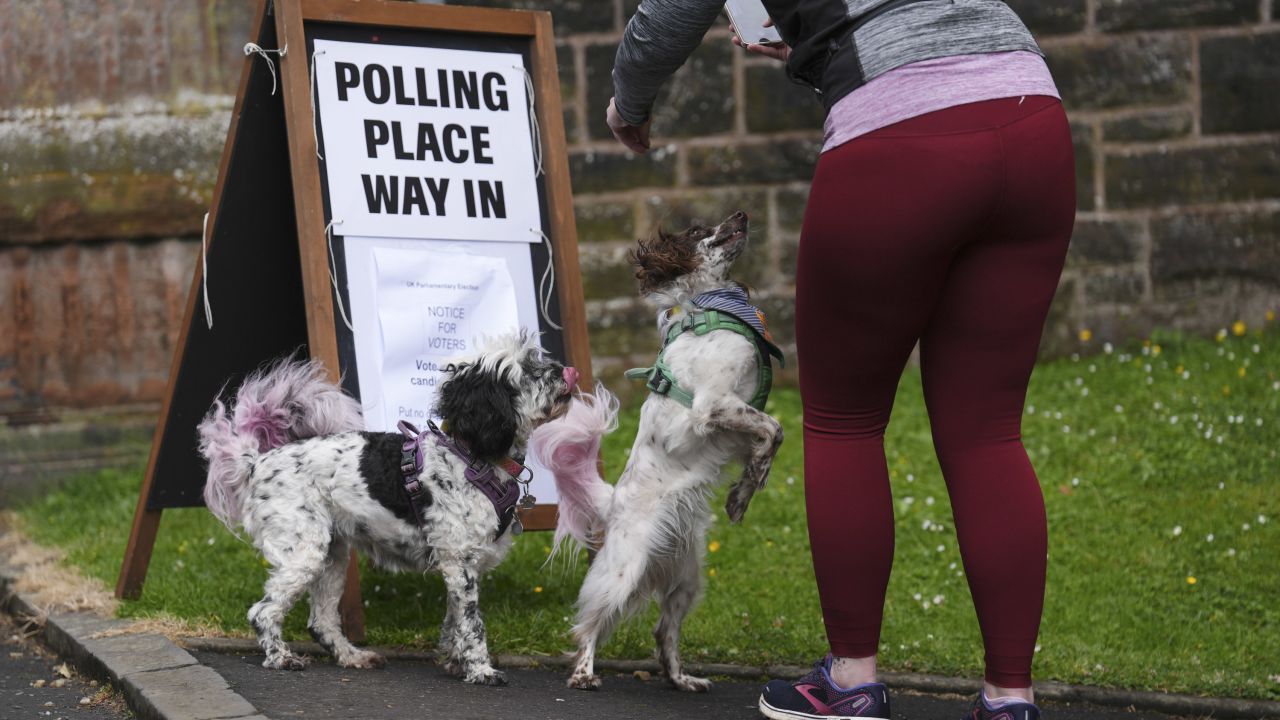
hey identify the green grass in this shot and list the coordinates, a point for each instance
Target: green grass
(1151, 479)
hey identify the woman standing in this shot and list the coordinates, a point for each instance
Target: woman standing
(941, 210)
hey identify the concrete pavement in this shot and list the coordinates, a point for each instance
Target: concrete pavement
(411, 690)
(35, 683)
(221, 679)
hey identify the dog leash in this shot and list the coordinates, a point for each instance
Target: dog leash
(504, 496)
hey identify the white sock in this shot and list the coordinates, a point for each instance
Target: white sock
(997, 703)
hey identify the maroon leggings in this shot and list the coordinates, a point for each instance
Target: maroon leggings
(949, 229)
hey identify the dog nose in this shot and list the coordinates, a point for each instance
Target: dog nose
(740, 215)
(571, 377)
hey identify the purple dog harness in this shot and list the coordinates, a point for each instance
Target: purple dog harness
(504, 496)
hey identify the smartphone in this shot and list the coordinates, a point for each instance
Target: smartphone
(748, 18)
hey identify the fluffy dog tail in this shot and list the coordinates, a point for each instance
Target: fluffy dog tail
(289, 400)
(570, 449)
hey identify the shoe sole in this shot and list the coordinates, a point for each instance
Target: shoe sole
(774, 713)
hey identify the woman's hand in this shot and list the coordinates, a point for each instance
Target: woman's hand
(636, 138)
(777, 51)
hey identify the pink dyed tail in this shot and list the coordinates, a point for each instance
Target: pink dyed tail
(570, 449)
(290, 400)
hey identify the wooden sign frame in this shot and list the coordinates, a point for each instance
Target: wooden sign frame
(288, 202)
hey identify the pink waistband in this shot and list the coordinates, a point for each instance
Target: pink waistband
(930, 85)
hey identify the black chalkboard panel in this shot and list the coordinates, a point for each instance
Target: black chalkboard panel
(254, 283)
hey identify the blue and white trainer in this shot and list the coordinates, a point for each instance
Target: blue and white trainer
(983, 710)
(816, 696)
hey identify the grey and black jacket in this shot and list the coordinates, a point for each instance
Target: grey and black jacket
(836, 45)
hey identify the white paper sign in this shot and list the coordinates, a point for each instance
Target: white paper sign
(392, 338)
(433, 307)
(426, 143)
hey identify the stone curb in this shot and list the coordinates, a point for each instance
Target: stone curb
(1171, 703)
(159, 680)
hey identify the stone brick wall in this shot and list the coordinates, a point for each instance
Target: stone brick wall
(111, 126)
(112, 119)
(1177, 126)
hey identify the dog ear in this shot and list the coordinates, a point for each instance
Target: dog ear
(664, 259)
(479, 406)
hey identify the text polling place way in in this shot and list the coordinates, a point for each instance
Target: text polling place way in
(427, 143)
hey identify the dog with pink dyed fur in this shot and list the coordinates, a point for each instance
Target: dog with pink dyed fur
(289, 464)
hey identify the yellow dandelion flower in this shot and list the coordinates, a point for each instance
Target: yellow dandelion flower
(1242, 372)
(537, 588)
(1191, 580)
(1155, 349)
(1271, 315)
(1086, 335)
(1178, 370)
(714, 546)
(1222, 335)
(1238, 328)
(1226, 389)
(711, 572)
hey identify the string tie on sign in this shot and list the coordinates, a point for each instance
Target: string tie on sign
(547, 284)
(535, 131)
(256, 49)
(333, 273)
(204, 271)
(315, 119)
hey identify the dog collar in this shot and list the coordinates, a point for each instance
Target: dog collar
(503, 495)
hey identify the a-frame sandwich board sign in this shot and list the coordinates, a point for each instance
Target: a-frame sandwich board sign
(273, 266)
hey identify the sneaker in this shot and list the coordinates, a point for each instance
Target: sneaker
(817, 696)
(982, 710)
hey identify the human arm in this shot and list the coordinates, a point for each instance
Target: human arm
(658, 40)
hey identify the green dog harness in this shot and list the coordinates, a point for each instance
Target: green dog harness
(660, 380)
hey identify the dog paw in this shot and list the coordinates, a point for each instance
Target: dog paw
(286, 662)
(452, 667)
(486, 676)
(583, 681)
(689, 683)
(735, 505)
(365, 659)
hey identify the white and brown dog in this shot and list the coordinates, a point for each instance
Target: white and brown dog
(289, 464)
(705, 409)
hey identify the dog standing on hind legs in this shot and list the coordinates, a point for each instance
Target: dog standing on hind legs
(289, 465)
(706, 408)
